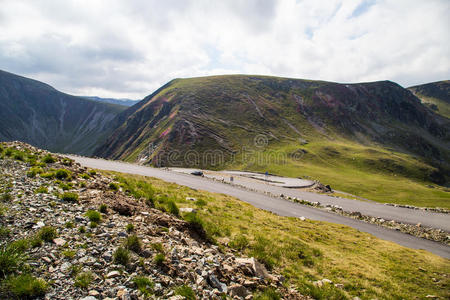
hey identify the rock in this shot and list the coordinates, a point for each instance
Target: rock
(188, 210)
(327, 281)
(123, 294)
(59, 241)
(191, 199)
(177, 297)
(318, 283)
(65, 267)
(113, 274)
(214, 282)
(238, 290)
(302, 218)
(339, 286)
(257, 268)
(94, 293)
(89, 298)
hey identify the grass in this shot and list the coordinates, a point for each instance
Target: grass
(268, 294)
(173, 208)
(305, 251)
(443, 108)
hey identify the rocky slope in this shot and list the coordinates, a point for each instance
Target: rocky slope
(225, 114)
(50, 220)
(36, 113)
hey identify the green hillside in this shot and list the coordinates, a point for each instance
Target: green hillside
(375, 140)
(436, 95)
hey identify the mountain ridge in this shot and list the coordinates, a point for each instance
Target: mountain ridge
(35, 112)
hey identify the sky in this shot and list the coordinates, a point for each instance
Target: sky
(128, 49)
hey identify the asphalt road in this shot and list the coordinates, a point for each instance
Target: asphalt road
(280, 206)
(368, 208)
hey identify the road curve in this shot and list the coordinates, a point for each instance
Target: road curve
(276, 205)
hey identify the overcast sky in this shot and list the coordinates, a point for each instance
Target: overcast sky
(130, 48)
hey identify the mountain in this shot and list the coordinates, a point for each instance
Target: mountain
(36, 113)
(436, 95)
(120, 101)
(222, 121)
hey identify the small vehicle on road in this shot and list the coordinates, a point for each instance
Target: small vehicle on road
(197, 173)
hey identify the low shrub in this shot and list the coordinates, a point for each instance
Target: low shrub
(92, 172)
(133, 243)
(18, 156)
(158, 247)
(114, 186)
(47, 233)
(6, 197)
(26, 286)
(41, 190)
(69, 253)
(35, 241)
(85, 176)
(196, 223)
(159, 259)
(69, 197)
(48, 159)
(4, 232)
(19, 246)
(144, 285)
(173, 208)
(129, 228)
(10, 260)
(121, 256)
(47, 175)
(103, 208)
(186, 292)
(83, 280)
(93, 215)
(63, 174)
(69, 225)
(93, 224)
(67, 161)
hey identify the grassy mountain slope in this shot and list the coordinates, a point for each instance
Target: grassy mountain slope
(306, 251)
(334, 132)
(436, 95)
(36, 113)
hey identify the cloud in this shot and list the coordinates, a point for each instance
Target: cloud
(118, 48)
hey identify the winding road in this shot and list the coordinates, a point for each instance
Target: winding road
(287, 208)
